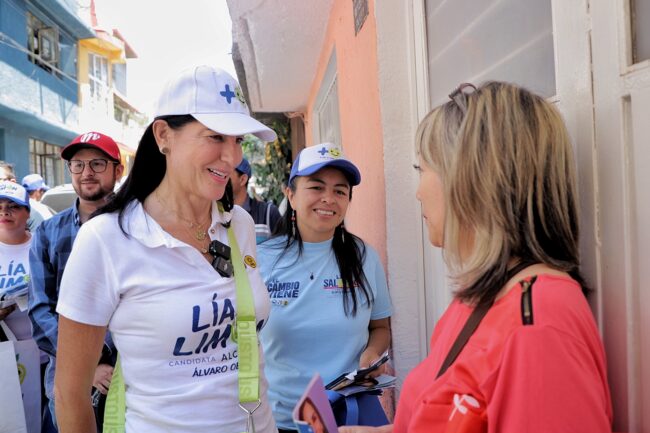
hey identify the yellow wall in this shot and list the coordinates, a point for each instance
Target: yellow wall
(360, 117)
(113, 55)
(94, 46)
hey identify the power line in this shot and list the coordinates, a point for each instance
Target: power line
(12, 43)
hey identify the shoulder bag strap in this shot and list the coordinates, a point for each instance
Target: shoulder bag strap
(467, 331)
(472, 323)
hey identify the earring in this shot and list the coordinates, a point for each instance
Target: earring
(164, 150)
(293, 223)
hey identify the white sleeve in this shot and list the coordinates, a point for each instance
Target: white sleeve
(244, 228)
(89, 286)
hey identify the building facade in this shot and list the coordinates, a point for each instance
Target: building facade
(38, 83)
(60, 74)
(365, 73)
(103, 104)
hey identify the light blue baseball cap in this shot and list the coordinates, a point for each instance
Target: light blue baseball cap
(14, 192)
(34, 182)
(313, 158)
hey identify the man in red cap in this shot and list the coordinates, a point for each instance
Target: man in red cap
(94, 162)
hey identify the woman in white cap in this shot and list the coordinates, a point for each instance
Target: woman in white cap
(161, 266)
(330, 303)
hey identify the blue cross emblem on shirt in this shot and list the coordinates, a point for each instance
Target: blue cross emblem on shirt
(228, 94)
(323, 151)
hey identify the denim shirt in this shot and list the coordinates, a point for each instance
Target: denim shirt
(51, 246)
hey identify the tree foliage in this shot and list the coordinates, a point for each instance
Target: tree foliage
(271, 162)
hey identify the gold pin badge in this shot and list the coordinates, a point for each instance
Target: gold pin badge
(250, 262)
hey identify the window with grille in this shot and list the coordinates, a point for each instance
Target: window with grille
(42, 43)
(45, 159)
(98, 75)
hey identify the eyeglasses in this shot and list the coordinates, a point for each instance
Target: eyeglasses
(460, 97)
(77, 166)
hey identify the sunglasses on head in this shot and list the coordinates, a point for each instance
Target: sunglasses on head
(459, 96)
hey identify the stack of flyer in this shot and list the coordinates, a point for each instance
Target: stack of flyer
(358, 381)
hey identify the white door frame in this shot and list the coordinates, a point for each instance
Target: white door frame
(603, 102)
(621, 109)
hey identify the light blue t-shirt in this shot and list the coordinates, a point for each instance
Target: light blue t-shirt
(308, 330)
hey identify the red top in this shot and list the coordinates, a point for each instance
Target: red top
(546, 377)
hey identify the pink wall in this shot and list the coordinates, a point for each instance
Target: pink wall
(361, 132)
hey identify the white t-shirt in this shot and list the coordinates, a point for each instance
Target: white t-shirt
(14, 272)
(170, 314)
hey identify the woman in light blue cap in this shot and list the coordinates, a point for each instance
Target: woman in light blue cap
(330, 304)
(15, 240)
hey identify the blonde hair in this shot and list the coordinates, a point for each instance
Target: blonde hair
(510, 185)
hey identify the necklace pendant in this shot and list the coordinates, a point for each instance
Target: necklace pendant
(200, 235)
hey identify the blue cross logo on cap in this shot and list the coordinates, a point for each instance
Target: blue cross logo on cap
(323, 151)
(228, 94)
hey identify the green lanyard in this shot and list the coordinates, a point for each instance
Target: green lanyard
(244, 334)
(115, 410)
(245, 329)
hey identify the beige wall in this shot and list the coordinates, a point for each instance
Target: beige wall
(360, 117)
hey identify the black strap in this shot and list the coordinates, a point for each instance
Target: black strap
(527, 300)
(473, 321)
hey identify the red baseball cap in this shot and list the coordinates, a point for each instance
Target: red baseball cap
(95, 140)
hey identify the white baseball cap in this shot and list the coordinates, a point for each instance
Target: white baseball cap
(313, 158)
(14, 192)
(213, 97)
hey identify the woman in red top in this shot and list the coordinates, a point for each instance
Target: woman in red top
(498, 193)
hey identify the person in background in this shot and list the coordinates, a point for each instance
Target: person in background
(498, 194)
(36, 187)
(265, 214)
(330, 303)
(15, 240)
(7, 171)
(93, 160)
(14, 257)
(153, 267)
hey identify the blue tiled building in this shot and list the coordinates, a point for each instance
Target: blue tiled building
(38, 83)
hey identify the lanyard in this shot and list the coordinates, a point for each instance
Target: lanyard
(244, 334)
(245, 328)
